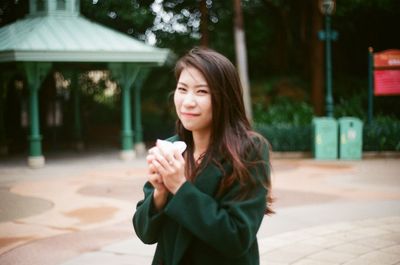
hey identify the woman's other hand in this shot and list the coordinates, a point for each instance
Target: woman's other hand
(170, 164)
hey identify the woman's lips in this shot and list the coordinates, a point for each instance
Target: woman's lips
(189, 115)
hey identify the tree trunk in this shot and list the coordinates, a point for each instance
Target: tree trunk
(317, 62)
(241, 56)
(204, 40)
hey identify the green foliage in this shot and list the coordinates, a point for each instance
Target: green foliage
(284, 111)
(157, 107)
(352, 106)
(279, 40)
(97, 106)
(286, 137)
(130, 17)
(383, 134)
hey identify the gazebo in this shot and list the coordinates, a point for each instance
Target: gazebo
(54, 36)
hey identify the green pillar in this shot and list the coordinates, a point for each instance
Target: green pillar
(328, 67)
(126, 132)
(370, 84)
(35, 73)
(328, 35)
(140, 147)
(138, 116)
(125, 75)
(3, 134)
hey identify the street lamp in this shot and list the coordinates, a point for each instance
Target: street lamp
(327, 8)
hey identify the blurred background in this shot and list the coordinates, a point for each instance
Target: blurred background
(285, 60)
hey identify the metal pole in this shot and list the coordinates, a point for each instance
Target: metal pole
(370, 84)
(328, 67)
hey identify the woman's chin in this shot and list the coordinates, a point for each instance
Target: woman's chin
(188, 127)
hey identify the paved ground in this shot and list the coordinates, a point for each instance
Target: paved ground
(77, 210)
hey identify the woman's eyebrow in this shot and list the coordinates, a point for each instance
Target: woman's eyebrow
(199, 85)
(181, 83)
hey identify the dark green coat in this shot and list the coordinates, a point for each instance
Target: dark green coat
(197, 226)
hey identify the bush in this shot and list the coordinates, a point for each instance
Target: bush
(286, 137)
(284, 111)
(286, 124)
(383, 134)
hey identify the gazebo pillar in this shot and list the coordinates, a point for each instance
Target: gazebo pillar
(140, 147)
(125, 75)
(35, 74)
(4, 81)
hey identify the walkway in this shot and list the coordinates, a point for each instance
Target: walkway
(78, 209)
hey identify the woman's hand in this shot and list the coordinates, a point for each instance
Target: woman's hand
(160, 194)
(170, 164)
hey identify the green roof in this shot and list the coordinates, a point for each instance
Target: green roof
(72, 39)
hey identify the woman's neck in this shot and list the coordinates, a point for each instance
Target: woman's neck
(201, 141)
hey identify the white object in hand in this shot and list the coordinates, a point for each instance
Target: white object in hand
(179, 145)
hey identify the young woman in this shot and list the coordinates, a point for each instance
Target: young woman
(206, 205)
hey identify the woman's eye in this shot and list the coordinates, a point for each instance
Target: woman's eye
(182, 89)
(202, 91)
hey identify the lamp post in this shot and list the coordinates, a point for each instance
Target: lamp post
(327, 8)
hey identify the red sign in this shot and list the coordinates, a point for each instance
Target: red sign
(387, 82)
(388, 58)
(387, 72)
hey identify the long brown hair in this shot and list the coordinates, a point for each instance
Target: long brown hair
(231, 134)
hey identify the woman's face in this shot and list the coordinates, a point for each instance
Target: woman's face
(192, 100)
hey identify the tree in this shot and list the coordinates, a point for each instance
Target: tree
(316, 62)
(241, 56)
(280, 34)
(204, 39)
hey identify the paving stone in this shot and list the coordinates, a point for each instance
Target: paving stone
(376, 258)
(308, 261)
(321, 230)
(266, 261)
(352, 248)
(391, 227)
(331, 256)
(283, 256)
(294, 236)
(350, 222)
(375, 243)
(98, 258)
(393, 250)
(301, 248)
(269, 244)
(391, 220)
(394, 236)
(133, 247)
(324, 242)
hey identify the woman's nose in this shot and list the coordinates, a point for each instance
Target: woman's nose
(189, 100)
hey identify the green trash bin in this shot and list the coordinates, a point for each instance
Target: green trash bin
(350, 130)
(325, 138)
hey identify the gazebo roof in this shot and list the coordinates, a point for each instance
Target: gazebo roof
(72, 38)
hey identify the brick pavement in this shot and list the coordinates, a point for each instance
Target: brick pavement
(77, 210)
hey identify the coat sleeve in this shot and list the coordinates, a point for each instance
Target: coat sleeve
(228, 225)
(146, 221)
